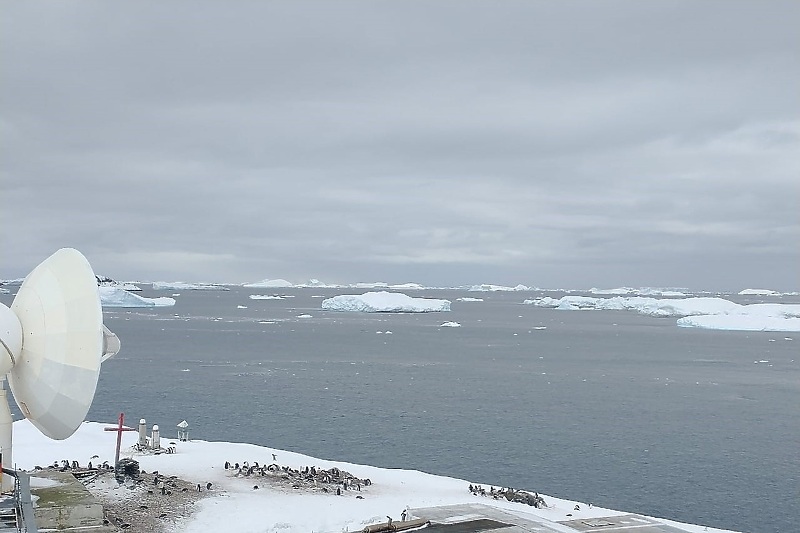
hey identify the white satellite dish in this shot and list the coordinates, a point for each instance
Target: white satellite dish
(53, 341)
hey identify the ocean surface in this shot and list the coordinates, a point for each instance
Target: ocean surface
(609, 407)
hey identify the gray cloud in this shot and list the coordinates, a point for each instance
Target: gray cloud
(553, 144)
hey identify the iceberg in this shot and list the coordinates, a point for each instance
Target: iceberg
(265, 297)
(181, 286)
(370, 285)
(408, 286)
(662, 292)
(758, 292)
(117, 297)
(754, 317)
(709, 313)
(105, 281)
(269, 283)
(317, 284)
(486, 287)
(643, 305)
(645, 291)
(621, 290)
(384, 302)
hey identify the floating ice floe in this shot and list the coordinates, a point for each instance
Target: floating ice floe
(449, 325)
(709, 313)
(116, 297)
(384, 302)
(468, 299)
(265, 297)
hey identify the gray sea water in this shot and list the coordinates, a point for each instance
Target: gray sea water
(610, 407)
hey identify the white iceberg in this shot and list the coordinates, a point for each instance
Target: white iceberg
(621, 290)
(755, 317)
(487, 287)
(661, 292)
(710, 313)
(183, 286)
(267, 283)
(758, 292)
(408, 286)
(317, 284)
(645, 306)
(449, 325)
(105, 281)
(265, 297)
(384, 302)
(116, 297)
(645, 291)
(370, 285)
(468, 299)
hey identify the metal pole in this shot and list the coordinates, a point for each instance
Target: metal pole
(119, 440)
(6, 425)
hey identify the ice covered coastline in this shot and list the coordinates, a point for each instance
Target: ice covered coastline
(276, 507)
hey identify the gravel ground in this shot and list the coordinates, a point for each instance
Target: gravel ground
(140, 507)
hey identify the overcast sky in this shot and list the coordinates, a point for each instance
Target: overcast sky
(553, 144)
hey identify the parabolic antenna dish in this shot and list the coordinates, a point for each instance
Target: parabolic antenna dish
(54, 378)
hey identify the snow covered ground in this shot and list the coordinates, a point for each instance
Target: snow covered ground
(279, 507)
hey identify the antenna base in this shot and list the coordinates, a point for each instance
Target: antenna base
(6, 424)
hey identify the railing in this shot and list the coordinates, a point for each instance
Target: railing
(24, 502)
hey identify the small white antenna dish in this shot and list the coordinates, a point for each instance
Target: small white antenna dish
(53, 341)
